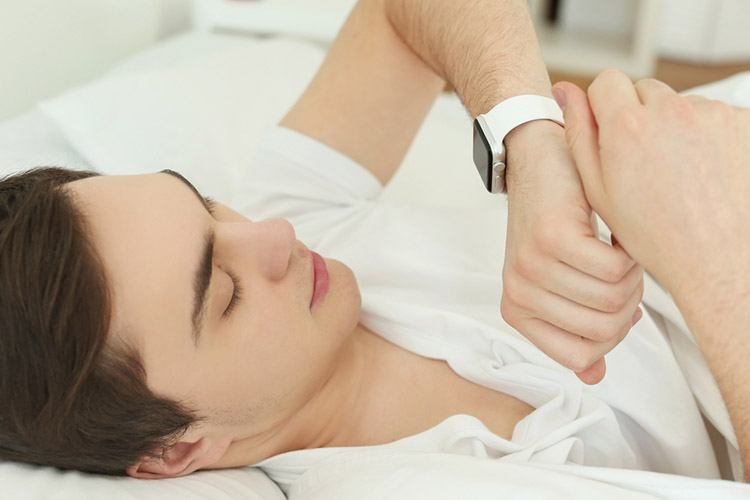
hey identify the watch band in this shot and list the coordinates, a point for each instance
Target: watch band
(521, 109)
(509, 114)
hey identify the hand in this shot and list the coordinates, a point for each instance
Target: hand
(571, 294)
(669, 174)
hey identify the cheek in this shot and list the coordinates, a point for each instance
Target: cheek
(271, 347)
(283, 355)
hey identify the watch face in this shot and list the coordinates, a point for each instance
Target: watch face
(483, 156)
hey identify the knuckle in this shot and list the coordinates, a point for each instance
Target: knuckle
(579, 360)
(507, 311)
(612, 274)
(647, 82)
(513, 294)
(601, 334)
(629, 122)
(652, 84)
(696, 99)
(617, 271)
(720, 107)
(682, 109)
(606, 75)
(546, 237)
(603, 81)
(526, 265)
(613, 302)
(722, 113)
(605, 331)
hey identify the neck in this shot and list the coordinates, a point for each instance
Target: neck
(335, 416)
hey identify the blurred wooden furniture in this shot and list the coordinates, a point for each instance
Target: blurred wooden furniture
(680, 76)
(590, 50)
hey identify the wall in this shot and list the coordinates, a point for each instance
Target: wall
(51, 45)
(705, 31)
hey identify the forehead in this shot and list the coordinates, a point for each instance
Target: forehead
(148, 230)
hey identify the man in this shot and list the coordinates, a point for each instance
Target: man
(260, 343)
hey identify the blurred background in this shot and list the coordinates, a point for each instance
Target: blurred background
(52, 45)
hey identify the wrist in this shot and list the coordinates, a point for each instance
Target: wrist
(531, 134)
(530, 145)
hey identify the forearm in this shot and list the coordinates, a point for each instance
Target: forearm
(720, 322)
(486, 49)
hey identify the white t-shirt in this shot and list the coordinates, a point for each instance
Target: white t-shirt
(431, 284)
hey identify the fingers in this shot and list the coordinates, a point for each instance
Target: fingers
(610, 93)
(567, 315)
(595, 258)
(576, 353)
(594, 373)
(582, 135)
(587, 291)
(650, 91)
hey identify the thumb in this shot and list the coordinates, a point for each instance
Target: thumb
(582, 135)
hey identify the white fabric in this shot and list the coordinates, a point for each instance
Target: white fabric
(734, 90)
(149, 121)
(391, 475)
(33, 140)
(430, 283)
(146, 131)
(21, 481)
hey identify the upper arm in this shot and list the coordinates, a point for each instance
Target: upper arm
(370, 95)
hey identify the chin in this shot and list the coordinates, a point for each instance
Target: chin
(343, 300)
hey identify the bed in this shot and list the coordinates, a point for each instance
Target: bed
(199, 103)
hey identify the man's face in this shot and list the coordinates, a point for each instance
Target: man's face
(256, 351)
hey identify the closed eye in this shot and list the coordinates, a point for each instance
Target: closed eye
(236, 287)
(236, 294)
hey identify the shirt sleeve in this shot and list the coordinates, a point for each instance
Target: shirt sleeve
(296, 177)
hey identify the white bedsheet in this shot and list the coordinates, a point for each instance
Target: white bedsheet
(124, 124)
(406, 476)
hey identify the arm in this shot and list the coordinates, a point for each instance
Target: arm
(671, 176)
(368, 100)
(391, 60)
(575, 306)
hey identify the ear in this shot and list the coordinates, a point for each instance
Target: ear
(182, 459)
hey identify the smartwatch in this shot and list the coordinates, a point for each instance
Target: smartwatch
(491, 128)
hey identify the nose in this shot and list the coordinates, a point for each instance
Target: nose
(264, 246)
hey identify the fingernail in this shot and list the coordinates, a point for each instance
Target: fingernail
(637, 315)
(560, 98)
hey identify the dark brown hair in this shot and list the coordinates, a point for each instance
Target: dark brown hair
(68, 397)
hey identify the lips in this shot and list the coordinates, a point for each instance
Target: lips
(321, 280)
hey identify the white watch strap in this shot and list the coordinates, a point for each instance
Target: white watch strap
(518, 110)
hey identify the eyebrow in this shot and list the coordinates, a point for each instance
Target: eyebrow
(202, 276)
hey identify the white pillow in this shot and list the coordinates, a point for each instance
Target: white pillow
(29, 481)
(203, 118)
(320, 20)
(32, 140)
